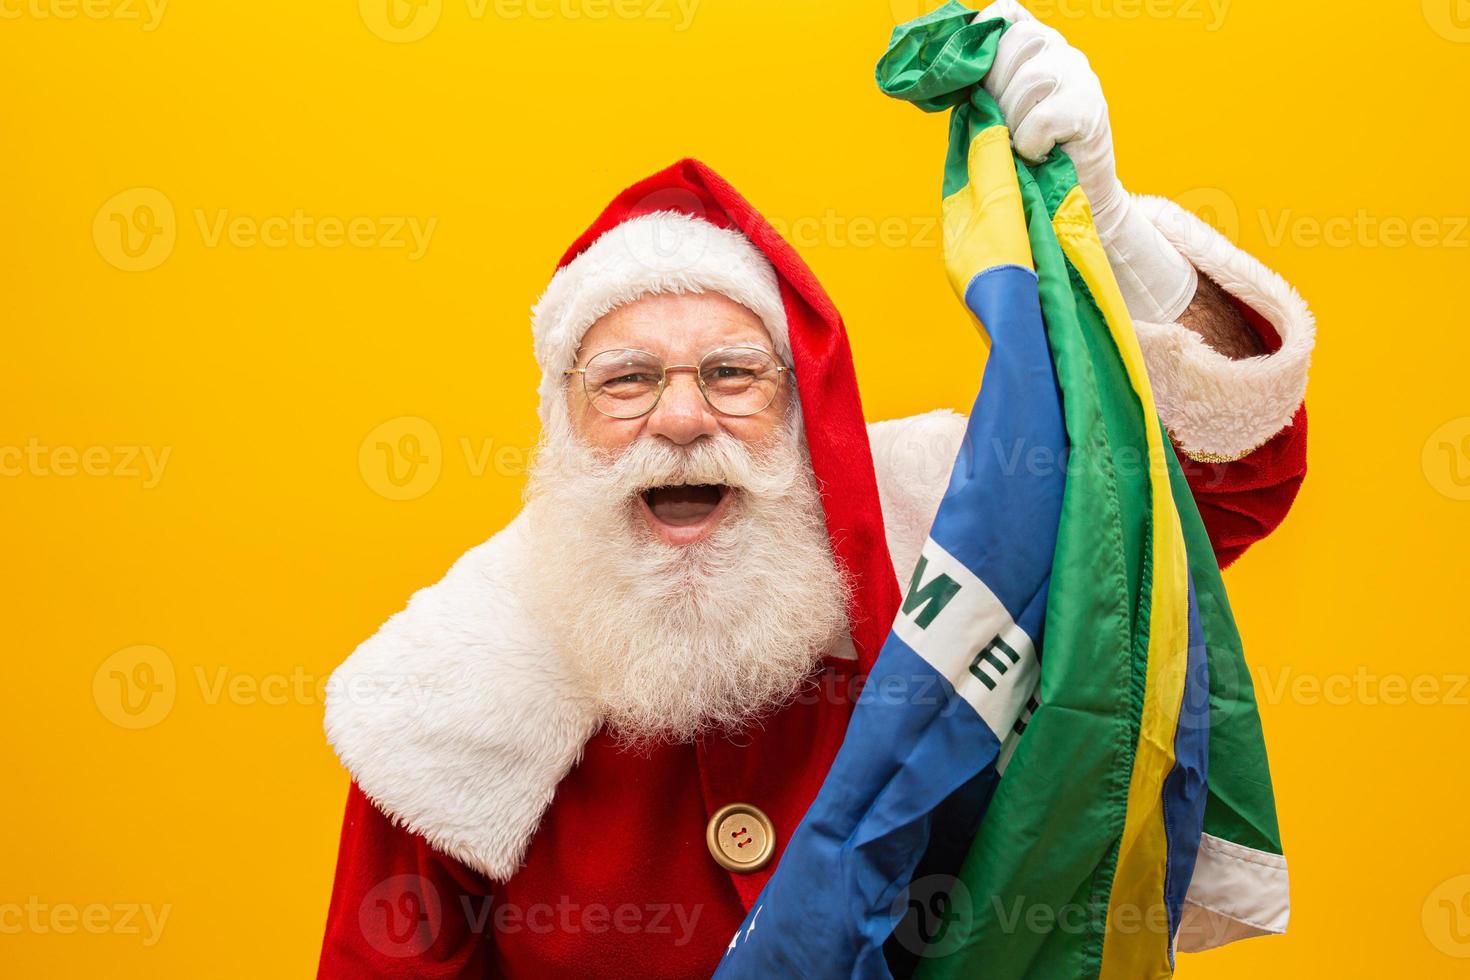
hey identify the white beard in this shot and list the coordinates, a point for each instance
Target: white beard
(675, 642)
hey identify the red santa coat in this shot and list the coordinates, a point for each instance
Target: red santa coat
(493, 830)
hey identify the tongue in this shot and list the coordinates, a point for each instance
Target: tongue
(683, 505)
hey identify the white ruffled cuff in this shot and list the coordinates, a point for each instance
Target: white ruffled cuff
(1215, 407)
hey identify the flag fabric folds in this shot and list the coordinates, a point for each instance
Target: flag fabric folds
(1060, 726)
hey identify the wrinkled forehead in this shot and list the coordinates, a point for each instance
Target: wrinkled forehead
(680, 328)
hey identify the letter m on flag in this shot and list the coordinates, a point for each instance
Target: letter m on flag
(929, 599)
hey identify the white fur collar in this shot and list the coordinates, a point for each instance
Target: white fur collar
(455, 720)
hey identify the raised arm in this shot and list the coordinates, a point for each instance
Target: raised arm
(1227, 341)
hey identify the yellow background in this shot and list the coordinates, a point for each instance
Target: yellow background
(270, 545)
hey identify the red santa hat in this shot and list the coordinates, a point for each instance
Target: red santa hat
(685, 229)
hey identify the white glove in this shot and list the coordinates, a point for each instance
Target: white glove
(1051, 97)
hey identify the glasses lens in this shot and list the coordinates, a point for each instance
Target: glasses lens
(740, 380)
(623, 383)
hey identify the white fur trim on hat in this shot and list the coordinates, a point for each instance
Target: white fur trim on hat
(1215, 407)
(662, 252)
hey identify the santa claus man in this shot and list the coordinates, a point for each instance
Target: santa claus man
(666, 644)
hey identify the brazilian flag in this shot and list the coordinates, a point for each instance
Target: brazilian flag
(1056, 768)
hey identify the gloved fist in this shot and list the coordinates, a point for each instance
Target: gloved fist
(1051, 97)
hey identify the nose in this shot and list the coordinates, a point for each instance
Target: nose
(682, 415)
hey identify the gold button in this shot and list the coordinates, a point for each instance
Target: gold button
(740, 838)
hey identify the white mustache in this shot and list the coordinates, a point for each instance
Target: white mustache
(720, 459)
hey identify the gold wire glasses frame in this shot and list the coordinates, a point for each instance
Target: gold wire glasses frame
(626, 383)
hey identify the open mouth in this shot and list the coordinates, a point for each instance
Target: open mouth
(684, 513)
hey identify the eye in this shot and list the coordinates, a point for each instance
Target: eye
(631, 379)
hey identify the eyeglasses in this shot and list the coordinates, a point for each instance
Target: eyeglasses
(627, 383)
